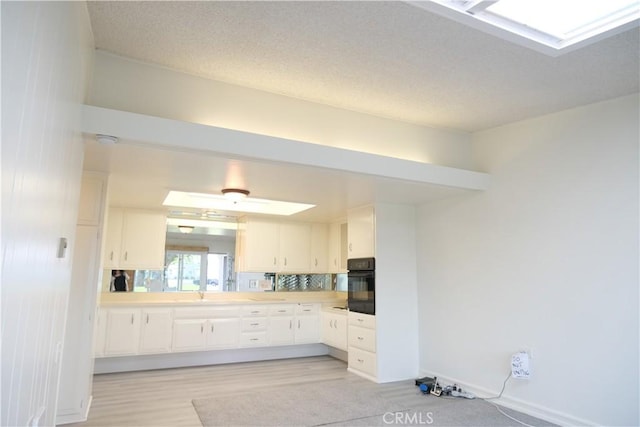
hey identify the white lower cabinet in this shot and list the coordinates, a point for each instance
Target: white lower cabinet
(307, 323)
(281, 324)
(362, 357)
(334, 329)
(123, 332)
(188, 334)
(155, 332)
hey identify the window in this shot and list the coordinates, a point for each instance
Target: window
(188, 270)
(549, 26)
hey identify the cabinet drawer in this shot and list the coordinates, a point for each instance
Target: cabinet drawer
(281, 310)
(363, 361)
(253, 339)
(362, 320)
(255, 310)
(362, 338)
(254, 324)
(307, 309)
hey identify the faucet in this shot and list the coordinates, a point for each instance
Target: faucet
(201, 293)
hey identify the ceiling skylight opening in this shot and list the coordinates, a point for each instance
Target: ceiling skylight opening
(549, 26)
(222, 203)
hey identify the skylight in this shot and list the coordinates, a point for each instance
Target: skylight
(550, 26)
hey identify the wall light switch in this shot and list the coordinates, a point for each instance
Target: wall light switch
(62, 247)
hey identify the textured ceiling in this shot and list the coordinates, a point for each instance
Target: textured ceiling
(388, 59)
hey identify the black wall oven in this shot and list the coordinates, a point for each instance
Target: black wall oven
(362, 285)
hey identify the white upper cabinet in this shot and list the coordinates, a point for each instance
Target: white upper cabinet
(361, 232)
(337, 262)
(295, 247)
(135, 239)
(319, 248)
(257, 244)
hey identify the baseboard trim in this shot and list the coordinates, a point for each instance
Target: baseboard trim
(532, 409)
(75, 417)
(105, 365)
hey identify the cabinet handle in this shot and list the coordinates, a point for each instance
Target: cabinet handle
(290, 324)
(360, 360)
(298, 323)
(316, 262)
(255, 324)
(350, 247)
(201, 328)
(253, 339)
(126, 255)
(282, 311)
(147, 318)
(360, 320)
(111, 256)
(360, 338)
(285, 261)
(255, 312)
(274, 260)
(212, 328)
(132, 318)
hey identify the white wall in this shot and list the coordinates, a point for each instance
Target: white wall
(46, 53)
(126, 85)
(546, 260)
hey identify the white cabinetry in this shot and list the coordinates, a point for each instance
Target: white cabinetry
(257, 243)
(334, 329)
(319, 248)
(123, 332)
(338, 248)
(295, 247)
(281, 324)
(155, 333)
(205, 328)
(254, 326)
(307, 323)
(135, 239)
(362, 344)
(271, 246)
(361, 232)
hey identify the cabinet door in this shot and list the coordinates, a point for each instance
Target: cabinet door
(281, 330)
(340, 329)
(319, 248)
(307, 329)
(260, 245)
(143, 240)
(155, 335)
(123, 332)
(188, 334)
(113, 239)
(295, 247)
(337, 262)
(223, 333)
(361, 232)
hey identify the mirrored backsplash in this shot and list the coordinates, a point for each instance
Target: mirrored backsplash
(161, 281)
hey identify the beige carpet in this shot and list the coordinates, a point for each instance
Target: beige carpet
(347, 403)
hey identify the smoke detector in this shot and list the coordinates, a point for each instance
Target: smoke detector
(107, 139)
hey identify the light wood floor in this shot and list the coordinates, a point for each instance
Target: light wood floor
(163, 397)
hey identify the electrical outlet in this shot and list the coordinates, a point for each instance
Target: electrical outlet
(520, 365)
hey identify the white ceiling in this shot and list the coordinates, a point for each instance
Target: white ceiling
(389, 59)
